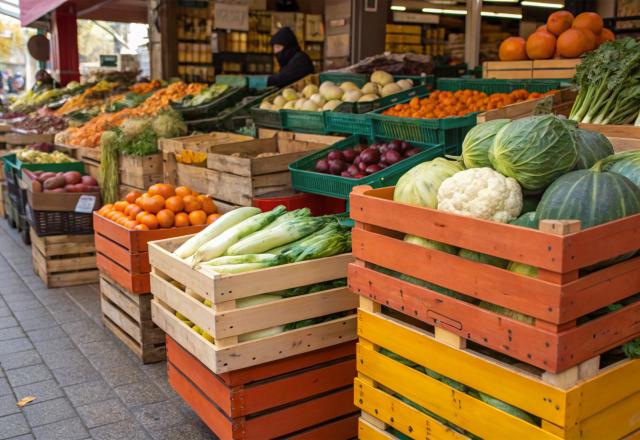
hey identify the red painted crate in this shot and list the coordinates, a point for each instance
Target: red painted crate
(557, 298)
(308, 397)
(123, 254)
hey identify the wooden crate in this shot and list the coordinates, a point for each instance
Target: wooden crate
(536, 69)
(140, 172)
(123, 254)
(90, 157)
(128, 317)
(556, 299)
(623, 137)
(3, 196)
(226, 323)
(308, 396)
(17, 138)
(237, 180)
(64, 260)
(560, 103)
(603, 401)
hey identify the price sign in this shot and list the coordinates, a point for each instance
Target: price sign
(85, 204)
(231, 17)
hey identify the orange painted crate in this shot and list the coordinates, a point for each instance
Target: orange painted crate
(309, 396)
(557, 298)
(123, 254)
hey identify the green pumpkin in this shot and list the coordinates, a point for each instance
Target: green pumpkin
(527, 220)
(483, 258)
(626, 164)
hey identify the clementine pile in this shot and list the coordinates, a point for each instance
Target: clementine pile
(162, 206)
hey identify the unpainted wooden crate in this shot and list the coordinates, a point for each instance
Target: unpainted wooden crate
(128, 316)
(64, 260)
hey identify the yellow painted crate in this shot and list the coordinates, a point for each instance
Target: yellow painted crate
(603, 402)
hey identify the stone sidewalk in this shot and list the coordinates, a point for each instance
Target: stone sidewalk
(87, 384)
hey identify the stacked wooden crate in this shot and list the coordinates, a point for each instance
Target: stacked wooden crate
(296, 383)
(536, 69)
(435, 360)
(137, 173)
(123, 260)
(239, 169)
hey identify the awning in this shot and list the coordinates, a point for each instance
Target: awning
(124, 11)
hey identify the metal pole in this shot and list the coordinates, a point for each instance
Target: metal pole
(472, 33)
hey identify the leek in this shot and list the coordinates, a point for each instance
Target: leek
(219, 245)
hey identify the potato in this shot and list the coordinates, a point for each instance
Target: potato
(54, 182)
(72, 177)
(90, 181)
(36, 186)
(46, 175)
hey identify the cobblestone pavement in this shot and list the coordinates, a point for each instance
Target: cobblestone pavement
(87, 384)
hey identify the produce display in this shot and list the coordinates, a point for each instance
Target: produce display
(47, 124)
(329, 95)
(6, 116)
(89, 134)
(394, 63)
(91, 96)
(563, 36)
(444, 104)
(162, 206)
(35, 156)
(204, 97)
(363, 160)
(247, 239)
(522, 172)
(608, 79)
(30, 100)
(61, 182)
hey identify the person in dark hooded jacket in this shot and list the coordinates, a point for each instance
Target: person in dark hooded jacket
(294, 63)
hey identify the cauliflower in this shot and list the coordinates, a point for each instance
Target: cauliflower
(481, 193)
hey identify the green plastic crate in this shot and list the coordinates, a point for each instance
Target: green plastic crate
(267, 118)
(450, 131)
(304, 121)
(258, 82)
(11, 163)
(349, 123)
(305, 179)
(450, 71)
(227, 99)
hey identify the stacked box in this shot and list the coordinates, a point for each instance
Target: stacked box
(437, 357)
(301, 397)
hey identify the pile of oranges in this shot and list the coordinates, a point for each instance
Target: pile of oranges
(443, 104)
(563, 36)
(161, 206)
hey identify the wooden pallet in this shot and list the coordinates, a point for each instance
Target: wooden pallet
(560, 104)
(227, 323)
(128, 317)
(303, 397)
(537, 69)
(555, 300)
(238, 180)
(64, 260)
(602, 401)
(123, 254)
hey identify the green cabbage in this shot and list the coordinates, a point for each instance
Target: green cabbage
(592, 147)
(419, 186)
(517, 316)
(535, 150)
(483, 258)
(430, 244)
(476, 144)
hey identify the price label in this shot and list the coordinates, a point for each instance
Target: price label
(85, 204)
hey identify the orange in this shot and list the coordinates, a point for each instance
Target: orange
(212, 218)
(162, 189)
(139, 216)
(166, 218)
(119, 206)
(183, 191)
(590, 21)
(542, 28)
(541, 45)
(191, 203)
(512, 49)
(132, 196)
(150, 221)
(122, 220)
(604, 35)
(181, 219)
(572, 43)
(208, 205)
(141, 199)
(592, 41)
(197, 217)
(559, 21)
(153, 204)
(130, 224)
(106, 208)
(132, 210)
(174, 203)
(141, 227)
